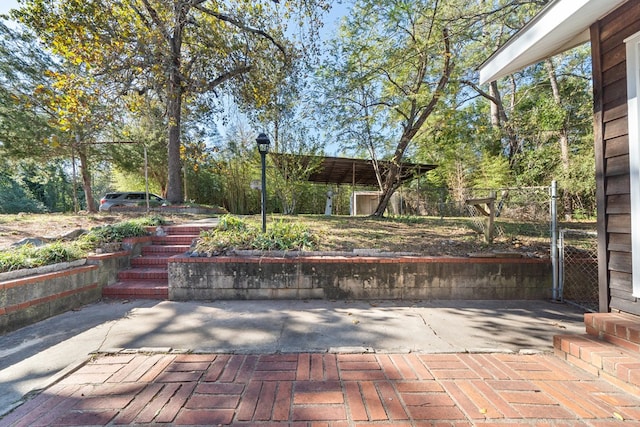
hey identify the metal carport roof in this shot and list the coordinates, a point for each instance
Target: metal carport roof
(340, 170)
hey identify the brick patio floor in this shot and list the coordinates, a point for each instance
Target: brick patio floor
(329, 390)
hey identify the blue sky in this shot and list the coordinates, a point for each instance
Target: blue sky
(337, 11)
(6, 5)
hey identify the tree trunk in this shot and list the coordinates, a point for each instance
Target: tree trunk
(86, 178)
(174, 106)
(563, 137)
(392, 180)
(499, 119)
(174, 182)
(495, 108)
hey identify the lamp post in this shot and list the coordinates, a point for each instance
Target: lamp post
(263, 149)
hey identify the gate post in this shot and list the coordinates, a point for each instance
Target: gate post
(554, 238)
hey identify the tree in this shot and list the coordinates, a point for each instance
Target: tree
(23, 67)
(489, 24)
(296, 161)
(538, 117)
(177, 49)
(54, 108)
(346, 108)
(79, 109)
(145, 126)
(395, 63)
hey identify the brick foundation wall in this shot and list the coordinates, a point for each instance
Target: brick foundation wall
(339, 277)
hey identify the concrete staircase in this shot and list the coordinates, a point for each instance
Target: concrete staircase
(610, 349)
(147, 278)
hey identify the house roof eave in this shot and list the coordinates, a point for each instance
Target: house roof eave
(561, 25)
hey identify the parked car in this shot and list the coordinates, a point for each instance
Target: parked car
(129, 198)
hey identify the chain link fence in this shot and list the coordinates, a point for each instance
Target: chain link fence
(525, 211)
(519, 210)
(578, 275)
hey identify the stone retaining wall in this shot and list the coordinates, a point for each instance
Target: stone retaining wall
(368, 278)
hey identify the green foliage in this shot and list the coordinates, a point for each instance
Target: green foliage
(493, 172)
(54, 107)
(145, 124)
(28, 256)
(236, 165)
(58, 252)
(151, 221)
(14, 198)
(232, 223)
(234, 233)
(297, 160)
(115, 232)
(23, 68)
(283, 235)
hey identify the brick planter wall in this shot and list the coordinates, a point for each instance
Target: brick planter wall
(29, 299)
(340, 277)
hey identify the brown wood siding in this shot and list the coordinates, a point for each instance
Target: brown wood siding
(617, 146)
(619, 242)
(618, 165)
(619, 204)
(612, 156)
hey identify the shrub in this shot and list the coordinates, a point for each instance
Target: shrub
(110, 233)
(232, 223)
(29, 256)
(234, 233)
(14, 198)
(285, 236)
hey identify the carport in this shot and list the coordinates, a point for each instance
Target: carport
(355, 172)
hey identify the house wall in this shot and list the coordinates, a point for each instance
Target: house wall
(612, 156)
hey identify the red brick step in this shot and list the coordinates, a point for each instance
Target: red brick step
(148, 275)
(141, 289)
(610, 348)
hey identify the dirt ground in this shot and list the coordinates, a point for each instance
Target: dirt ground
(432, 237)
(14, 228)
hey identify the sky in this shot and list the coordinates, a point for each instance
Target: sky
(337, 11)
(6, 5)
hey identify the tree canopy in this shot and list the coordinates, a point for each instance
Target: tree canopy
(397, 81)
(177, 49)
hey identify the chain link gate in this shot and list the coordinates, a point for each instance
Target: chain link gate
(578, 275)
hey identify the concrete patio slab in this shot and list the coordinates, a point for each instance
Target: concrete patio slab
(36, 356)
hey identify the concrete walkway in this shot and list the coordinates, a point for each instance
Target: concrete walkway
(293, 362)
